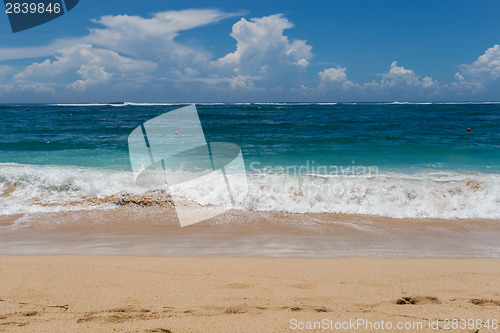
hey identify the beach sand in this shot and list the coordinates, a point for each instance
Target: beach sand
(158, 294)
(133, 269)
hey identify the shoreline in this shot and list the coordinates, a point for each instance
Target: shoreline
(154, 231)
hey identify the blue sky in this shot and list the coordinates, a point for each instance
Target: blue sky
(229, 51)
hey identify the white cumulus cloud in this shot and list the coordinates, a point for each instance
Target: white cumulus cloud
(333, 75)
(124, 49)
(85, 61)
(91, 74)
(263, 53)
(400, 77)
(487, 66)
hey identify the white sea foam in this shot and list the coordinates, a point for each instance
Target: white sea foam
(426, 194)
(267, 103)
(31, 188)
(116, 104)
(78, 104)
(201, 103)
(436, 195)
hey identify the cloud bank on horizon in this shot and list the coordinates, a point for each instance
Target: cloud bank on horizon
(140, 58)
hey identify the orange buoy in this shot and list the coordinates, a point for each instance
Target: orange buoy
(468, 129)
(176, 133)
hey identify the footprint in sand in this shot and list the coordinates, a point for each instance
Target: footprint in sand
(158, 330)
(418, 300)
(483, 302)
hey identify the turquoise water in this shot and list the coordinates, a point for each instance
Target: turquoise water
(390, 136)
(418, 148)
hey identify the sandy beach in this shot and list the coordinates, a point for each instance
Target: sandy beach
(245, 272)
(152, 294)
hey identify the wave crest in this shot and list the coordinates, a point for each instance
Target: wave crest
(426, 194)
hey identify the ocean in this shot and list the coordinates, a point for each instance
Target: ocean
(401, 160)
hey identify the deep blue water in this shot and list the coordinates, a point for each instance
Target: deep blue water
(389, 136)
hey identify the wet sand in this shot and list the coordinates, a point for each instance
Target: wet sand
(155, 231)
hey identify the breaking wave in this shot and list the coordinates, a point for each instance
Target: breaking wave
(424, 194)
